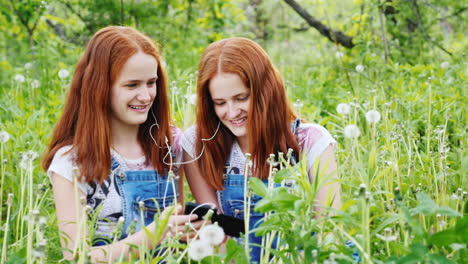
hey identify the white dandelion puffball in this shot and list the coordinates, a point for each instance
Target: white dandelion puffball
(359, 68)
(199, 249)
(352, 131)
(373, 116)
(192, 98)
(28, 65)
(35, 84)
(20, 78)
(213, 234)
(445, 65)
(339, 54)
(343, 109)
(4, 137)
(63, 74)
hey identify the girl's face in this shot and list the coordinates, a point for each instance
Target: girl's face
(133, 93)
(231, 101)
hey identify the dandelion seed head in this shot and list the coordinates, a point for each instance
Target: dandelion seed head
(455, 196)
(28, 65)
(191, 98)
(213, 234)
(444, 65)
(352, 131)
(63, 73)
(35, 84)
(387, 238)
(29, 155)
(42, 220)
(343, 109)
(359, 68)
(4, 137)
(298, 104)
(199, 249)
(38, 254)
(10, 199)
(20, 78)
(373, 116)
(339, 54)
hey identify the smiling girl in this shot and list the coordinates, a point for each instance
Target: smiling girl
(242, 108)
(115, 131)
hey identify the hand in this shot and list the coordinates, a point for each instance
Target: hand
(183, 226)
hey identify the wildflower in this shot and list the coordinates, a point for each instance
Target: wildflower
(339, 54)
(20, 78)
(35, 84)
(199, 249)
(27, 158)
(359, 68)
(28, 65)
(4, 137)
(343, 109)
(352, 131)
(42, 220)
(10, 199)
(387, 237)
(445, 65)
(213, 234)
(63, 74)
(298, 104)
(192, 98)
(373, 116)
(440, 129)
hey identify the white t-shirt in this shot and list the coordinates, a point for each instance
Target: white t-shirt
(312, 139)
(105, 197)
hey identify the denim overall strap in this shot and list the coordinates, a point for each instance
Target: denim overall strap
(143, 194)
(231, 199)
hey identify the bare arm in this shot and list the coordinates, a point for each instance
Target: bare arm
(199, 187)
(68, 216)
(329, 194)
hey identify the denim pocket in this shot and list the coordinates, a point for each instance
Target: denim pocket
(150, 206)
(236, 207)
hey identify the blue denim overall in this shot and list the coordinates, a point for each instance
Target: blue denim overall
(143, 193)
(231, 199)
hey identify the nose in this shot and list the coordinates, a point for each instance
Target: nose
(144, 95)
(232, 110)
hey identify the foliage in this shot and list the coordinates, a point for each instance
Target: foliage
(403, 178)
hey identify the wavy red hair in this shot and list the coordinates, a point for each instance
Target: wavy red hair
(269, 116)
(85, 121)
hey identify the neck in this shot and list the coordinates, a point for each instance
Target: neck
(124, 140)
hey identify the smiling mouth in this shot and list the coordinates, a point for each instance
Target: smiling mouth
(137, 107)
(238, 121)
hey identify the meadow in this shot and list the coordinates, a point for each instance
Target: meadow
(396, 103)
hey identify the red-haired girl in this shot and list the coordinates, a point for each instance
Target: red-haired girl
(242, 108)
(111, 144)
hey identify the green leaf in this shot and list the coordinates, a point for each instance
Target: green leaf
(435, 258)
(419, 249)
(235, 252)
(426, 206)
(445, 210)
(258, 186)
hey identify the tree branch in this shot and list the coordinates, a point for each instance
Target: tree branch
(333, 35)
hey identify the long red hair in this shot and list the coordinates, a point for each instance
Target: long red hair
(85, 121)
(269, 116)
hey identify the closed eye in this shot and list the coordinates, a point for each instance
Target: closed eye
(219, 103)
(131, 85)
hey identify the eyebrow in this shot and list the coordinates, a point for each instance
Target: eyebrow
(237, 95)
(153, 78)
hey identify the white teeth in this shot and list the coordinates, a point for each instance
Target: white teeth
(137, 107)
(238, 121)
